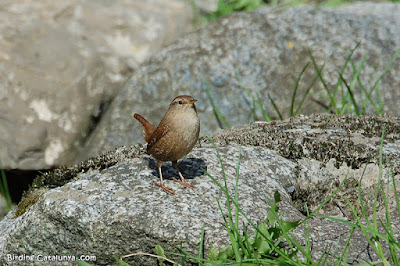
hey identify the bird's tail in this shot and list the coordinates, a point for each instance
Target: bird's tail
(147, 127)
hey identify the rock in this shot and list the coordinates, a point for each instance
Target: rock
(4, 209)
(206, 6)
(349, 139)
(267, 48)
(114, 212)
(63, 62)
(111, 207)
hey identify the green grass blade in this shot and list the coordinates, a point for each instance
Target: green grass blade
(231, 233)
(378, 185)
(236, 192)
(275, 107)
(349, 90)
(247, 243)
(357, 225)
(261, 108)
(379, 108)
(84, 263)
(286, 235)
(348, 59)
(257, 103)
(331, 97)
(308, 91)
(394, 246)
(293, 240)
(220, 118)
(372, 228)
(232, 229)
(4, 192)
(357, 71)
(296, 87)
(276, 249)
(340, 81)
(250, 94)
(286, 230)
(328, 198)
(364, 229)
(242, 243)
(386, 69)
(219, 159)
(185, 255)
(380, 101)
(273, 245)
(201, 244)
(328, 256)
(363, 209)
(388, 225)
(307, 238)
(252, 113)
(396, 193)
(343, 257)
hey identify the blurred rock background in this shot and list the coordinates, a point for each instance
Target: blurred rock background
(62, 63)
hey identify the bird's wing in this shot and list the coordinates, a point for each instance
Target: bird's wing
(157, 134)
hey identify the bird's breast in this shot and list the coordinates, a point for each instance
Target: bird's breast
(180, 139)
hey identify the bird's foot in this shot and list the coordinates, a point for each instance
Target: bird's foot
(183, 183)
(168, 190)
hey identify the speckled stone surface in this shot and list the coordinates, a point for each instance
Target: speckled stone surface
(112, 208)
(349, 139)
(120, 211)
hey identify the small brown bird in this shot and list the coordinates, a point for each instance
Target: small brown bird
(174, 137)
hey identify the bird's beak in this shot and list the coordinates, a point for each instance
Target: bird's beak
(192, 101)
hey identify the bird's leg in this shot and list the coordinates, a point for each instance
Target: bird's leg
(161, 185)
(182, 181)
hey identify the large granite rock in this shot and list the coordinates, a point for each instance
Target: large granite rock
(111, 207)
(63, 62)
(268, 49)
(122, 205)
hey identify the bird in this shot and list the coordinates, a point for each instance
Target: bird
(174, 137)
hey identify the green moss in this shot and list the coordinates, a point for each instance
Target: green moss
(62, 175)
(28, 200)
(312, 196)
(321, 137)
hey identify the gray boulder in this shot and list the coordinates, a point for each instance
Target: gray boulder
(111, 207)
(120, 210)
(63, 62)
(267, 48)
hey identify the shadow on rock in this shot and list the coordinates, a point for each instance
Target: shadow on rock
(189, 167)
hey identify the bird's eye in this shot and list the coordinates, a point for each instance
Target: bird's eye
(180, 102)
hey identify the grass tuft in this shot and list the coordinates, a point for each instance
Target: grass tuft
(339, 99)
(4, 192)
(272, 243)
(220, 118)
(226, 7)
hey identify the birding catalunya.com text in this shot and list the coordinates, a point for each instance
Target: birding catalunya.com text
(49, 258)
